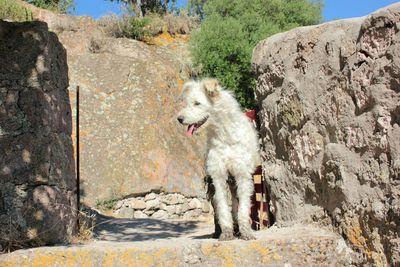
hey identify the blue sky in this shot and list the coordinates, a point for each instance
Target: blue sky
(334, 9)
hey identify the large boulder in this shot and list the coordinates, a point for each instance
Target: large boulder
(130, 141)
(37, 171)
(329, 98)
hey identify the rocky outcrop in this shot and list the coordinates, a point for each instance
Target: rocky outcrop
(188, 245)
(329, 98)
(37, 175)
(130, 142)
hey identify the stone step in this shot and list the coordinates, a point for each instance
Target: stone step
(294, 246)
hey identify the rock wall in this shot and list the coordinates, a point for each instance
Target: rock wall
(37, 175)
(329, 98)
(130, 141)
(162, 206)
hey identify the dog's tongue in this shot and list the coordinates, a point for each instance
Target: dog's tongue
(190, 130)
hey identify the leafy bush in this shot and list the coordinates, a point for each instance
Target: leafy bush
(126, 26)
(231, 29)
(133, 27)
(12, 10)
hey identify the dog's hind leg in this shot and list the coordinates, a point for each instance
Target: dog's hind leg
(234, 204)
(245, 188)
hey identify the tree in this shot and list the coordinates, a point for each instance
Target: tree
(141, 7)
(196, 7)
(231, 29)
(62, 6)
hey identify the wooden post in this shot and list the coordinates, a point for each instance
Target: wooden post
(78, 191)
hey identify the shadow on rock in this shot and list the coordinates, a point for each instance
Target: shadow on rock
(117, 229)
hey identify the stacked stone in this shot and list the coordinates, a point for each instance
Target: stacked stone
(162, 206)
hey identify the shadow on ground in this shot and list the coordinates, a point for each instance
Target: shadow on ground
(118, 229)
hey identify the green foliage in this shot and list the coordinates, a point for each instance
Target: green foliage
(133, 27)
(196, 8)
(62, 6)
(231, 29)
(12, 10)
(106, 204)
(143, 7)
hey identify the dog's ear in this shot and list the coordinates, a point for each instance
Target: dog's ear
(212, 88)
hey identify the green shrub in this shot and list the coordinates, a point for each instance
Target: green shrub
(133, 27)
(231, 29)
(126, 26)
(106, 204)
(12, 10)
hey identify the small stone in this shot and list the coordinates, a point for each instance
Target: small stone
(149, 212)
(139, 215)
(118, 205)
(185, 207)
(137, 204)
(125, 212)
(191, 214)
(194, 204)
(163, 206)
(174, 216)
(181, 208)
(205, 206)
(160, 214)
(152, 204)
(173, 199)
(150, 196)
(170, 209)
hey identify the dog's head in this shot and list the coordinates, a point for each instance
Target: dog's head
(198, 98)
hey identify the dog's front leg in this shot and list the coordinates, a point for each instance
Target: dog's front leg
(245, 188)
(223, 210)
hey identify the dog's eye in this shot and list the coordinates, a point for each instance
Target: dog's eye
(196, 103)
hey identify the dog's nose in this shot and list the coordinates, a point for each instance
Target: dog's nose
(180, 119)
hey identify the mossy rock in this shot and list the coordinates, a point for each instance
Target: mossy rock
(292, 113)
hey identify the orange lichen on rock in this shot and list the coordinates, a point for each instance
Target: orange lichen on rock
(166, 38)
(355, 236)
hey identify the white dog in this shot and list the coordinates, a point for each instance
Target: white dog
(232, 148)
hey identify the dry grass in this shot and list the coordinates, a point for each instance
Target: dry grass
(151, 25)
(111, 25)
(87, 223)
(172, 24)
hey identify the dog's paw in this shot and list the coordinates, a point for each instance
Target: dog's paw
(247, 236)
(226, 236)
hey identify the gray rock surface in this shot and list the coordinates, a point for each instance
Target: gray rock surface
(151, 242)
(329, 98)
(37, 171)
(131, 142)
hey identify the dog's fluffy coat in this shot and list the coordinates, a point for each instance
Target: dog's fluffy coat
(232, 148)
